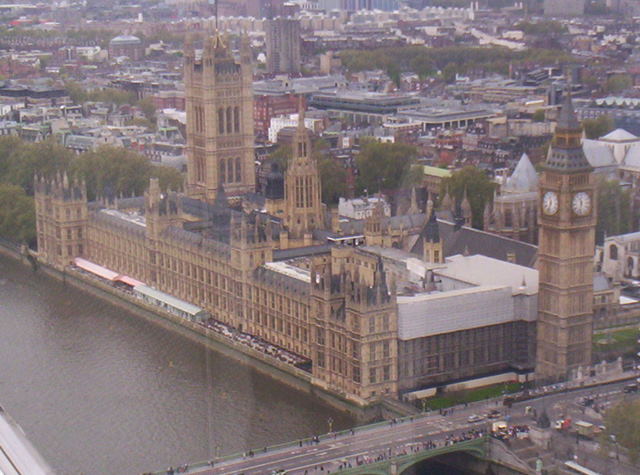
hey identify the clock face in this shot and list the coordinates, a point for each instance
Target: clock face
(581, 203)
(550, 203)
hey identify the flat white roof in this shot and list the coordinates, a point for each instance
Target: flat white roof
(131, 217)
(96, 269)
(168, 299)
(627, 300)
(289, 270)
(483, 270)
(445, 312)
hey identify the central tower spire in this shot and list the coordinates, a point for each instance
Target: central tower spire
(303, 203)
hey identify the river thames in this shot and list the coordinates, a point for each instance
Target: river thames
(101, 391)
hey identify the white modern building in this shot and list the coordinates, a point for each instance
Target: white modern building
(362, 208)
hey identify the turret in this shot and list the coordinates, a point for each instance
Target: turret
(446, 204)
(465, 208)
(61, 218)
(303, 203)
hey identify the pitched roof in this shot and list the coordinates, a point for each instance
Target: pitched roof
(523, 178)
(619, 135)
(567, 118)
(598, 154)
(466, 240)
(632, 158)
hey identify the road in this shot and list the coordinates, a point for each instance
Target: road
(390, 439)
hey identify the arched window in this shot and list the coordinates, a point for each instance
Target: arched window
(221, 120)
(613, 252)
(229, 120)
(223, 170)
(238, 170)
(230, 170)
(236, 119)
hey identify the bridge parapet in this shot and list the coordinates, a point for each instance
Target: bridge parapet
(397, 465)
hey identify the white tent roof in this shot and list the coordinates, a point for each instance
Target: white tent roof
(619, 135)
(523, 178)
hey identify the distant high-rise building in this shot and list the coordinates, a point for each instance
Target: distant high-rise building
(564, 8)
(283, 45)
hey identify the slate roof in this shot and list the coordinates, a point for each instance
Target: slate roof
(286, 254)
(473, 241)
(280, 281)
(567, 159)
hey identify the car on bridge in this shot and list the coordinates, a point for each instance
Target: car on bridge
(474, 418)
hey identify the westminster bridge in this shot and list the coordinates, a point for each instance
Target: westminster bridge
(390, 447)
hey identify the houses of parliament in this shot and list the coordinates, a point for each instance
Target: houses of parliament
(382, 306)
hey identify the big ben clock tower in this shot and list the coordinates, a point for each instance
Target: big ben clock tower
(567, 220)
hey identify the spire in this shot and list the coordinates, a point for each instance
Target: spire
(430, 232)
(245, 47)
(486, 216)
(301, 111)
(188, 46)
(413, 208)
(447, 203)
(567, 118)
(566, 154)
(429, 208)
(465, 199)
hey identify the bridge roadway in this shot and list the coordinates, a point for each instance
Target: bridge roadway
(381, 439)
(377, 442)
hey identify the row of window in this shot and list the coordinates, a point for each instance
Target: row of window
(228, 119)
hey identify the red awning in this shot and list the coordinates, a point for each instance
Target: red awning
(95, 269)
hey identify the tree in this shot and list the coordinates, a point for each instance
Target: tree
(27, 160)
(538, 115)
(622, 422)
(479, 189)
(17, 215)
(333, 179)
(383, 166)
(112, 171)
(281, 155)
(614, 209)
(148, 108)
(595, 128)
(169, 178)
(141, 122)
(618, 82)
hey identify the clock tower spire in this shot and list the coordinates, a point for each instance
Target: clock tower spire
(567, 221)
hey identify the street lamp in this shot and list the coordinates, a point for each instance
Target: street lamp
(615, 441)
